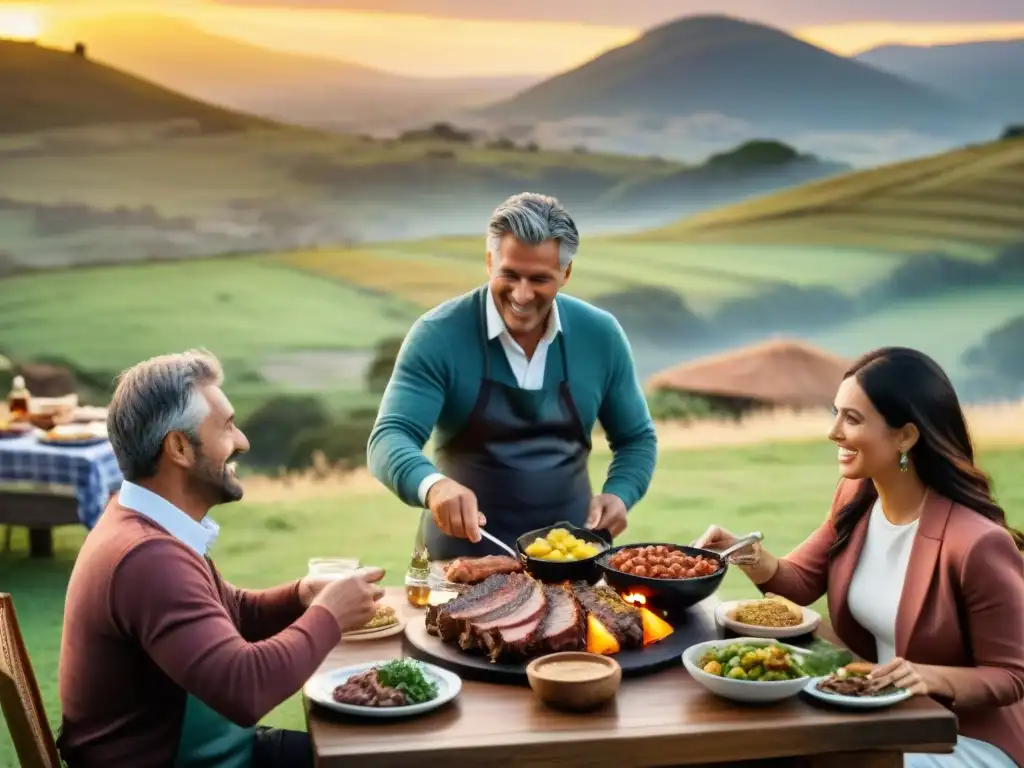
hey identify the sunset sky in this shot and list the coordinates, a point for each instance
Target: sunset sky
(535, 37)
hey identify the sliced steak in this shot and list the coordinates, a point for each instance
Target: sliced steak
(520, 640)
(618, 616)
(565, 624)
(532, 607)
(485, 597)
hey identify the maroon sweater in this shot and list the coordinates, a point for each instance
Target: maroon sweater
(147, 620)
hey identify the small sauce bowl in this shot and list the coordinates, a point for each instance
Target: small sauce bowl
(574, 680)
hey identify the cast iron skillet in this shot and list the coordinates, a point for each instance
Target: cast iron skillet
(675, 593)
(553, 572)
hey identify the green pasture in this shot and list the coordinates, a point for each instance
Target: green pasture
(782, 490)
(965, 203)
(427, 272)
(943, 326)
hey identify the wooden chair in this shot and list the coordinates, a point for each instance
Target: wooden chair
(19, 696)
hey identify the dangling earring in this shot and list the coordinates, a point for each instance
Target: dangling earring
(904, 461)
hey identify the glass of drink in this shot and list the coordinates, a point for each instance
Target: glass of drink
(332, 567)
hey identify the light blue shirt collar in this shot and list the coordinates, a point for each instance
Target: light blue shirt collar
(199, 536)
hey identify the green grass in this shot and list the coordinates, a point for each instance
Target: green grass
(943, 326)
(783, 491)
(427, 272)
(965, 203)
(104, 318)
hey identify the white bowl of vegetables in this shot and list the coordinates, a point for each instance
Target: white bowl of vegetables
(748, 669)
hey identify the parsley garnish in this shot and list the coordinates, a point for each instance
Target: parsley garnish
(407, 676)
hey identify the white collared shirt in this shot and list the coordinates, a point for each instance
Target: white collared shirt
(529, 371)
(198, 536)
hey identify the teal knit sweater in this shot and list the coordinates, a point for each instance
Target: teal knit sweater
(437, 379)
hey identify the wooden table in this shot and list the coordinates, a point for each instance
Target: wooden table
(665, 719)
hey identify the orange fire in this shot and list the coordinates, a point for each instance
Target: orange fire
(655, 628)
(601, 640)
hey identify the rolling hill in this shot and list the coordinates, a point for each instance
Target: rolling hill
(744, 70)
(291, 87)
(988, 74)
(964, 203)
(44, 88)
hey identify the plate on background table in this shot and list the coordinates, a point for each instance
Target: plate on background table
(320, 690)
(64, 442)
(810, 619)
(854, 702)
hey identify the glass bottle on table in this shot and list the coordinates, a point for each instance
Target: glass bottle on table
(18, 400)
(417, 575)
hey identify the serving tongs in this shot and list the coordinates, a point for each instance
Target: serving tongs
(729, 553)
(437, 581)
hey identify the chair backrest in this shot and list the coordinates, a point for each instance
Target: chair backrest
(19, 696)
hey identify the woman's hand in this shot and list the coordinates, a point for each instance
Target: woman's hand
(717, 539)
(902, 674)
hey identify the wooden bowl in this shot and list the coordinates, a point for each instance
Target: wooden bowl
(569, 688)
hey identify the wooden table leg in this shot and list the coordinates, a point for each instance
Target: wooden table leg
(40, 542)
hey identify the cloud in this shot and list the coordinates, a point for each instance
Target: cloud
(643, 13)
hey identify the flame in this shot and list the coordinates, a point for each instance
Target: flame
(599, 639)
(655, 627)
(635, 598)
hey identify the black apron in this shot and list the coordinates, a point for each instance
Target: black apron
(524, 453)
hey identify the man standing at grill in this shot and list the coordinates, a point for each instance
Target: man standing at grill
(513, 376)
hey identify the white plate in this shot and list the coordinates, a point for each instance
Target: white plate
(320, 689)
(854, 702)
(811, 621)
(748, 691)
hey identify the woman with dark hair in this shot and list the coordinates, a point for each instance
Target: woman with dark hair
(924, 577)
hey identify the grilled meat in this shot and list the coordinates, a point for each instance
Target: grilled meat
(486, 597)
(565, 624)
(364, 690)
(619, 617)
(473, 570)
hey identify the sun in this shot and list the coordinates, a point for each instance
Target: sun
(19, 23)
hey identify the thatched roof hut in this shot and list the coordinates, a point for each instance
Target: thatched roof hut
(780, 373)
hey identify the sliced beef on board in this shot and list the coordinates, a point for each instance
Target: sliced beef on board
(565, 624)
(520, 624)
(619, 617)
(563, 627)
(487, 596)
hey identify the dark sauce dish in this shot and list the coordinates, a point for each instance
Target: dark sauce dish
(553, 571)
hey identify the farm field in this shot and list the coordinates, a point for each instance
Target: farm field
(964, 203)
(944, 326)
(781, 490)
(258, 318)
(308, 320)
(428, 272)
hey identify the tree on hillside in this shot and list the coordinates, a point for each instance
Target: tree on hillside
(756, 154)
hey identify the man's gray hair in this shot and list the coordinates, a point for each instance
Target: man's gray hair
(534, 219)
(152, 399)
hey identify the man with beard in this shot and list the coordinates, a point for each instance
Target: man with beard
(163, 662)
(513, 376)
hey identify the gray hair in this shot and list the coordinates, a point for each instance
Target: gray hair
(154, 398)
(533, 219)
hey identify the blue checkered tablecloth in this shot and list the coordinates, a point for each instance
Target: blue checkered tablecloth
(90, 470)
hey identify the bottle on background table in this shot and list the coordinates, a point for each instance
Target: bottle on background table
(18, 400)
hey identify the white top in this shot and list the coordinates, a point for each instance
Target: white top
(877, 583)
(199, 536)
(529, 372)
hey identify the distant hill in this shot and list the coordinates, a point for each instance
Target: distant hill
(287, 86)
(43, 88)
(961, 203)
(745, 70)
(988, 74)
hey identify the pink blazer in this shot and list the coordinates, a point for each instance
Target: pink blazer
(962, 606)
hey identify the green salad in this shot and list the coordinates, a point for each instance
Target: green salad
(771, 661)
